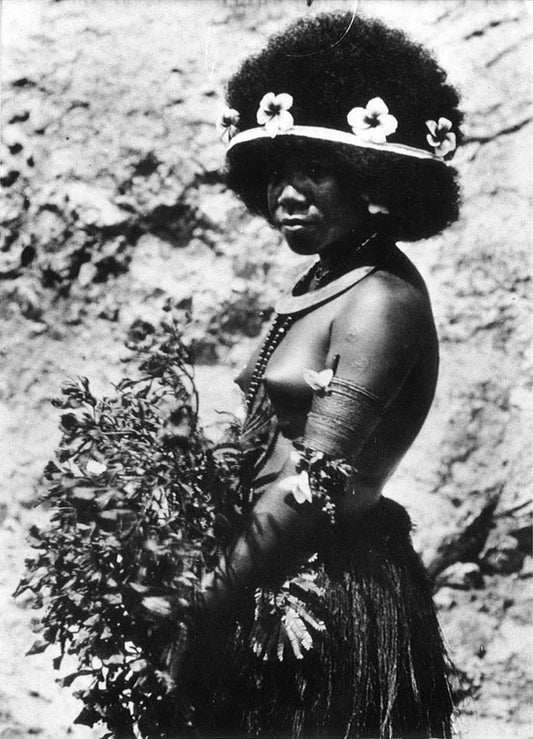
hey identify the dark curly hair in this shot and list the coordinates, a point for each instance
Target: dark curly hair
(330, 63)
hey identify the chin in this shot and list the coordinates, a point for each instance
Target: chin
(302, 244)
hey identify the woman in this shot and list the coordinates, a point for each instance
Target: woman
(338, 134)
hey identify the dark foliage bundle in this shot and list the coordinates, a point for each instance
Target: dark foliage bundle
(140, 500)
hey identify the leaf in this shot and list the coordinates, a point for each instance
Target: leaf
(138, 587)
(66, 682)
(87, 717)
(115, 659)
(114, 599)
(69, 421)
(84, 493)
(139, 665)
(92, 620)
(157, 605)
(37, 647)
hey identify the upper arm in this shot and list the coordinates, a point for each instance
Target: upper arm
(378, 335)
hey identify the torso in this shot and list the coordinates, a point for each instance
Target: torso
(307, 345)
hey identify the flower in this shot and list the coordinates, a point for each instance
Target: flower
(299, 486)
(375, 208)
(440, 137)
(273, 113)
(318, 381)
(373, 123)
(95, 468)
(228, 123)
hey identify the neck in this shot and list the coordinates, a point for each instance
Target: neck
(350, 252)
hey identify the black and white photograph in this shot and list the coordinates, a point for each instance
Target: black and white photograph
(265, 388)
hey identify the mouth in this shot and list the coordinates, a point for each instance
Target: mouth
(296, 223)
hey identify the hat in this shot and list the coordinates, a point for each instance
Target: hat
(353, 87)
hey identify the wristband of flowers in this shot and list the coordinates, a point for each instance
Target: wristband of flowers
(320, 479)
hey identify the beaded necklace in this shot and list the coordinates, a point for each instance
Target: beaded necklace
(282, 323)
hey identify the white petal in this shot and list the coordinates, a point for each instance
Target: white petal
(357, 118)
(284, 100)
(272, 126)
(432, 127)
(432, 141)
(267, 100)
(388, 123)
(302, 492)
(377, 135)
(285, 120)
(445, 147)
(453, 141)
(374, 208)
(74, 468)
(444, 124)
(318, 380)
(311, 378)
(262, 116)
(376, 106)
(95, 468)
(365, 134)
(295, 457)
(288, 484)
(326, 376)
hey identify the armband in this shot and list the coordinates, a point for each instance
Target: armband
(341, 419)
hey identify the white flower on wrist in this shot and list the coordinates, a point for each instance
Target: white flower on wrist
(299, 486)
(228, 123)
(318, 381)
(440, 137)
(373, 123)
(273, 113)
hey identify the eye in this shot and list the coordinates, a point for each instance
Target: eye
(317, 170)
(276, 174)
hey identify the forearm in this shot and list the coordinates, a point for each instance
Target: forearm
(279, 530)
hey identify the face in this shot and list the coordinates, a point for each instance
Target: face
(311, 207)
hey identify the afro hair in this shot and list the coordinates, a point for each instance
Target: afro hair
(331, 63)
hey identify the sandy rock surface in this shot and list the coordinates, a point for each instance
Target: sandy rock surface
(113, 200)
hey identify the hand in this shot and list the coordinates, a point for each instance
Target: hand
(159, 605)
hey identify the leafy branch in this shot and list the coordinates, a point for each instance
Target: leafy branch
(136, 494)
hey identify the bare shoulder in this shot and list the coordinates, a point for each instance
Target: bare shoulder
(386, 292)
(392, 302)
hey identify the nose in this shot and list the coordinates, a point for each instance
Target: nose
(290, 198)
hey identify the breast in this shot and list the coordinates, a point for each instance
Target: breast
(305, 346)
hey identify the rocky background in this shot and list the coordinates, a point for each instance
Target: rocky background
(113, 199)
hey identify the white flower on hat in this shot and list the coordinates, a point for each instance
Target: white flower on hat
(273, 113)
(440, 137)
(228, 123)
(373, 123)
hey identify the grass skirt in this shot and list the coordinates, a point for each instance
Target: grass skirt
(379, 668)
